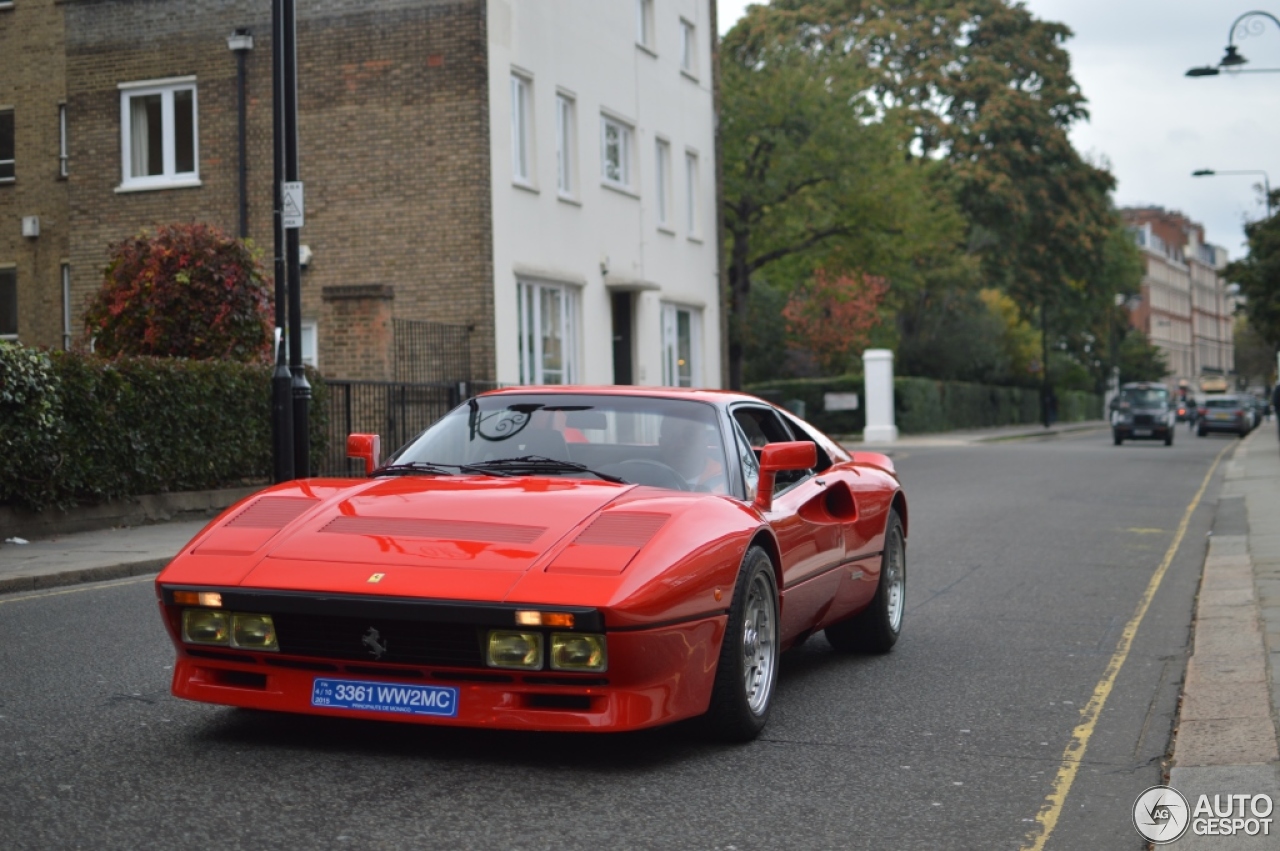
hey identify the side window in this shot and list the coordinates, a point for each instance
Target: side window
(747, 458)
(762, 426)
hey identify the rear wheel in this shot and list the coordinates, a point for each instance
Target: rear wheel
(877, 627)
(1115, 435)
(742, 694)
(1168, 437)
(1200, 432)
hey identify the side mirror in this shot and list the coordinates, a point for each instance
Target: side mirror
(366, 446)
(779, 457)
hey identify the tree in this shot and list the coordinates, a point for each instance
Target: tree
(812, 176)
(188, 290)
(1258, 275)
(832, 316)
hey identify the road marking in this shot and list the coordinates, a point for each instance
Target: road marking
(1073, 755)
(1137, 530)
(79, 588)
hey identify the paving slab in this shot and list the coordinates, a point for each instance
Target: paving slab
(1193, 782)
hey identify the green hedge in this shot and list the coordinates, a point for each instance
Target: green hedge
(77, 429)
(924, 405)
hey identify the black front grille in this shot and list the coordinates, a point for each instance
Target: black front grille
(1144, 420)
(379, 640)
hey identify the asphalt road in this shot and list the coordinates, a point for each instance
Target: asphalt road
(1025, 562)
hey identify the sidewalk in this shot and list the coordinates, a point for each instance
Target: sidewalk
(980, 435)
(1226, 738)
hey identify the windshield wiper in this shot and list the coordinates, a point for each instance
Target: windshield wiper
(543, 464)
(432, 468)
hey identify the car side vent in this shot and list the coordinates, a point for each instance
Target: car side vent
(447, 530)
(622, 529)
(272, 512)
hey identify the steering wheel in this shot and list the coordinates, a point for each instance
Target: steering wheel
(643, 471)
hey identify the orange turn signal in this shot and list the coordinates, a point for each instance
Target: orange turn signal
(529, 618)
(212, 599)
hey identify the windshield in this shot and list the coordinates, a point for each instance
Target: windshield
(1147, 398)
(667, 443)
(1222, 402)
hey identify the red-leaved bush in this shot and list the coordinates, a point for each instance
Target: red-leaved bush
(189, 290)
(832, 316)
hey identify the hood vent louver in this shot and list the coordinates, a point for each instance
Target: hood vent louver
(272, 512)
(622, 529)
(447, 530)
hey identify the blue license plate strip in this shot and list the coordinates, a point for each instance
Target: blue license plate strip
(439, 701)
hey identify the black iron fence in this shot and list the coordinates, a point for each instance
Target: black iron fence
(397, 411)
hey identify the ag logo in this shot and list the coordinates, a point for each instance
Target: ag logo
(1161, 814)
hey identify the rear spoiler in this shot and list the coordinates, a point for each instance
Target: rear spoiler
(875, 459)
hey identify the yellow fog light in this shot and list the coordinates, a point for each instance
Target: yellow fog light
(253, 632)
(206, 626)
(574, 651)
(514, 649)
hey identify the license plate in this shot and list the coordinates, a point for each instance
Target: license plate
(1142, 432)
(441, 701)
(1219, 416)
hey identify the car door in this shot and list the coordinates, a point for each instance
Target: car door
(810, 536)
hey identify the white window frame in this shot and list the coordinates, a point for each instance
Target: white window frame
(693, 185)
(688, 48)
(671, 368)
(522, 152)
(529, 313)
(566, 146)
(662, 182)
(626, 153)
(644, 25)
(64, 154)
(13, 162)
(170, 177)
(310, 343)
(66, 305)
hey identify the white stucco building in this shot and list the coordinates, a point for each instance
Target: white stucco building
(604, 209)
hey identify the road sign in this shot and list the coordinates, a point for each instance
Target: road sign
(291, 192)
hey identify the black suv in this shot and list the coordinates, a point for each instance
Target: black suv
(1143, 411)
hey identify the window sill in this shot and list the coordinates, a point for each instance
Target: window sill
(4, 180)
(154, 187)
(569, 199)
(668, 231)
(689, 75)
(620, 189)
(694, 238)
(644, 48)
(527, 187)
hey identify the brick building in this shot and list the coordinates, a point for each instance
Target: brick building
(1185, 307)
(541, 173)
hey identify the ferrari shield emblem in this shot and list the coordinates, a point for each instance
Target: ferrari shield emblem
(377, 577)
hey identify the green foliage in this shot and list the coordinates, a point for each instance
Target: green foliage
(1258, 275)
(30, 426)
(923, 405)
(187, 291)
(111, 429)
(1255, 357)
(1140, 360)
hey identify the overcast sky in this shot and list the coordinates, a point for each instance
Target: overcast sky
(1156, 125)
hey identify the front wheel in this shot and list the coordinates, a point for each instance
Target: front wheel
(1115, 435)
(1168, 438)
(742, 694)
(877, 627)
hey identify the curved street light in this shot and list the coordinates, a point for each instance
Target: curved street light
(1248, 24)
(1266, 181)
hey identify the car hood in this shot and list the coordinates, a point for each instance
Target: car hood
(412, 536)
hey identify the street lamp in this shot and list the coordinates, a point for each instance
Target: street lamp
(1266, 181)
(1250, 23)
(240, 43)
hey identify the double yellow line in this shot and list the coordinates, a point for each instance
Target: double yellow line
(1073, 755)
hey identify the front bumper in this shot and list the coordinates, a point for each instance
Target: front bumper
(655, 676)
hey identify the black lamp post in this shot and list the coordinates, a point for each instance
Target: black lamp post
(1266, 181)
(1248, 24)
(240, 43)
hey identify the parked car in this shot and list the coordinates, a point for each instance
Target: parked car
(550, 558)
(1143, 411)
(1225, 412)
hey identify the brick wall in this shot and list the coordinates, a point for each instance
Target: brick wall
(393, 138)
(361, 332)
(32, 84)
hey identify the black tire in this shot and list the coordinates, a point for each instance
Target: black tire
(740, 708)
(1200, 432)
(1115, 435)
(1168, 438)
(877, 627)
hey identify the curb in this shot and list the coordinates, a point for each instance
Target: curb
(1040, 435)
(15, 584)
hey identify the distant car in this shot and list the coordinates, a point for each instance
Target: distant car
(1143, 411)
(1225, 412)
(548, 558)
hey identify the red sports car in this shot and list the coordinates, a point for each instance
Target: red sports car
(550, 558)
